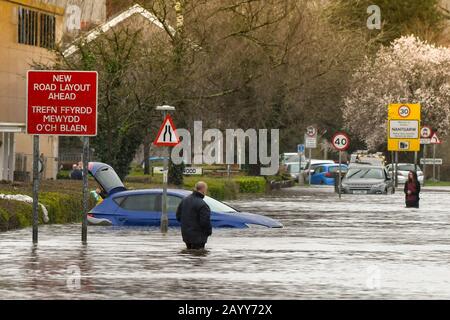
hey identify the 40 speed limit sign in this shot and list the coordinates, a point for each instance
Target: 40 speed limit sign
(341, 141)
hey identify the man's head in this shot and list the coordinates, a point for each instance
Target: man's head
(201, 187)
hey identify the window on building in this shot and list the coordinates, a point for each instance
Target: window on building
(47, 31)
(28, 26)
(36, 28)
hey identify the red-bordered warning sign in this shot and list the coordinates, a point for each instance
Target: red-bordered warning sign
(435, 139)
(167, 135)
(341, 141)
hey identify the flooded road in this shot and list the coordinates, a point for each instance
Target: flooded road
(363, 247)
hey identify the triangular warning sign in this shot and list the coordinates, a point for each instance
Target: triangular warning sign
(435, 139)
(167, 135)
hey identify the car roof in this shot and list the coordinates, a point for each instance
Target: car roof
(177, 192)
(314, 161)
(366, 166)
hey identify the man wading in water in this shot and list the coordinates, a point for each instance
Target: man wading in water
(195, 217)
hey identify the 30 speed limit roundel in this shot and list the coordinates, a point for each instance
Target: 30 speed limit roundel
(341, 141)
(404, 111)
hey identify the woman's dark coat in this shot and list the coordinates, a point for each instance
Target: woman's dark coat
(416, 198)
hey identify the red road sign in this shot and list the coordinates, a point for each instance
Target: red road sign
(435, 139)
(426, 132)
(62, 103)
(311, 131)
(341, 141)
(167, 134)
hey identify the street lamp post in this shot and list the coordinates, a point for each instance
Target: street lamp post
(164, 218)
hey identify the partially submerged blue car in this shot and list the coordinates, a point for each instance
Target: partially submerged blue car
(122, 207)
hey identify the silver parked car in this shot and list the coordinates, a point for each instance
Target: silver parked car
(403, 170)
(293, 169)
(367, 179)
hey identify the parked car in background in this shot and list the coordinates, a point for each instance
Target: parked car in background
(284, 157)
(311, 165)
(367, 179)
(403, 170)
(325, 174)
(295, 158)
(293, 169)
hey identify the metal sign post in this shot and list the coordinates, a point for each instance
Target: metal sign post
(299, 168)
(309, 169)
(415, 161)
(396, 169)
(434, 141)
(164, 217)
(167, 137)
(434, 162)
(85, 190)
(35, 188)
(339, 172)
(310, 143)
(425, 165)
(425, 138)
(341, 142)
(300, 151)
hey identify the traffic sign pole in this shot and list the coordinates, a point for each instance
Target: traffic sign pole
(339, 170)
(424, 165)
(300, 180)
(164, 217)
(309, 169)
(35, 188)
(434, 162)
(415, 161)
(85, 190)
(396, 169)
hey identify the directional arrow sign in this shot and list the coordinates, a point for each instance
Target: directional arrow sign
(167, 135)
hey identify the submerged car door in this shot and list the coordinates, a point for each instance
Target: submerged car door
(139, 210)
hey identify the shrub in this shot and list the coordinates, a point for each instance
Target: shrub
(63, 175)
(176, 174)
(251, 184)
(62, 208)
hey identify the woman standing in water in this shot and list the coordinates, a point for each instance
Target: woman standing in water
(412, 190)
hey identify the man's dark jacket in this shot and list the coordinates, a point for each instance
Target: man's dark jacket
(195, 217)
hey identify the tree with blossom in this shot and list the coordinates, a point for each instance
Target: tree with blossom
(408, 71)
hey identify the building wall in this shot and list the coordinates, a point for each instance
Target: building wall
(15, 60)
(80, 15)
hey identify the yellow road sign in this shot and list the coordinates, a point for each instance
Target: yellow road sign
(404, 127)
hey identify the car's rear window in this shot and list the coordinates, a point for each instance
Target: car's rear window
(406, 167)
(140, 202)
